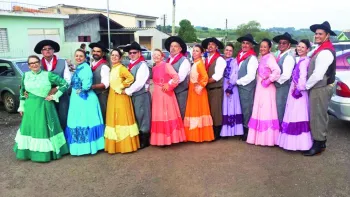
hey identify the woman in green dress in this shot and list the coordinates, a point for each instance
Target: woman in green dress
(40, 137)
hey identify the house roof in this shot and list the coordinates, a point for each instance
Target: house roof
(104, 10)
(75, 19)
(347, 34)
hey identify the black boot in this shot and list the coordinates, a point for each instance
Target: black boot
(144, 140)
(317, 147)
(245, 134)
(217, 131)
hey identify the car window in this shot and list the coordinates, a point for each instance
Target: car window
(23, 66)
(6, 69)
(147, 55)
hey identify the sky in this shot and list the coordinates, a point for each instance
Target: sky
(213, 13)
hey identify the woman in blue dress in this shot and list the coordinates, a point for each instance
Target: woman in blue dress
(85, 127)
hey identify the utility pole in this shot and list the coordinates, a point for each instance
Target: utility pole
(226, 37)
(173, 28)
(164, 19)
(109, 33)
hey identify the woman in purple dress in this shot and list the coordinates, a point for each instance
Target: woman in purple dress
(231, 107)
(295, 133)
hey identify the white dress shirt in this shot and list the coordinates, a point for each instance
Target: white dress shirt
(67, 75)
(288, 66)
(251, 70)
(219, 68)
(141, 78)
(184, 69)
(323, 61)
(104, 73)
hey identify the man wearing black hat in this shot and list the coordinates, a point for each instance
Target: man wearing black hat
(51, 63)
(140, 96)
(215, 65)
(321, 76)
(286, 62)
(177, 48)
(248, 64)
(100, 70)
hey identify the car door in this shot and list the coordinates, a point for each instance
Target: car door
(10, 80)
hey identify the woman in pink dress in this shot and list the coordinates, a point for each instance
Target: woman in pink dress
(295, 133)
(263, 124)
(167, 126)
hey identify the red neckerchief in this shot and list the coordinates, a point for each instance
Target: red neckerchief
(325, 45)
(101, 61)
(177, 58)
(245, 56)
(131, 65)
(54, 63)
(215, 56)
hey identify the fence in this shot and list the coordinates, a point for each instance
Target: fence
(12, 6)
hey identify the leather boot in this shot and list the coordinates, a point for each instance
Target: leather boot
(217, 131)
(317, 147)
(245, 134)
(144, 140)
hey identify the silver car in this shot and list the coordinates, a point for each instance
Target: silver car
(340, 102)
(11, 71)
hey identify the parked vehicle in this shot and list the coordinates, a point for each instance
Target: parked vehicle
(343, 62)
(340, 102)
(11, 71)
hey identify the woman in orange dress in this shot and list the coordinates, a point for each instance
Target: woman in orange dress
(121, 133)
(198, 121)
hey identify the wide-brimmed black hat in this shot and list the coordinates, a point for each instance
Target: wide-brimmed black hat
(213, 39)
(41, 44)
(100, 45)
(177, 39)
(325, 26)
(285, 36)
(248, 38)
(132, 46)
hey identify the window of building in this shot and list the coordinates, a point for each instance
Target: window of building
(84, 38)
(4, 43)
(139, 24)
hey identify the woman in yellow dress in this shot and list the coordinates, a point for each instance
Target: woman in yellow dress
(121, 134)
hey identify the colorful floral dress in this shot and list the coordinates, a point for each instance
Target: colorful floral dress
(121, 133)
(40, 137)
(85, 128)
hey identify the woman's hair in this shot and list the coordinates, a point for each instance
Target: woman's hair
(33, 56)
(230, 45)
(119, 52)
(268, 42)
(160, 51)
(306, 42)
(80, 50)
(200, 47)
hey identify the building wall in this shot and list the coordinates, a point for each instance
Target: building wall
(17, 32)
(125, 20)
(88, 28)
(157, 37)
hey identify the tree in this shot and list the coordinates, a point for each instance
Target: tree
(254, 28)
(187, 31)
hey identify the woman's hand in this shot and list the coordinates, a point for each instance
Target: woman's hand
(49, 98)
(21, 113)
(165, 87)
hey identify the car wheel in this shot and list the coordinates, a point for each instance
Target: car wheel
(10, 102)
